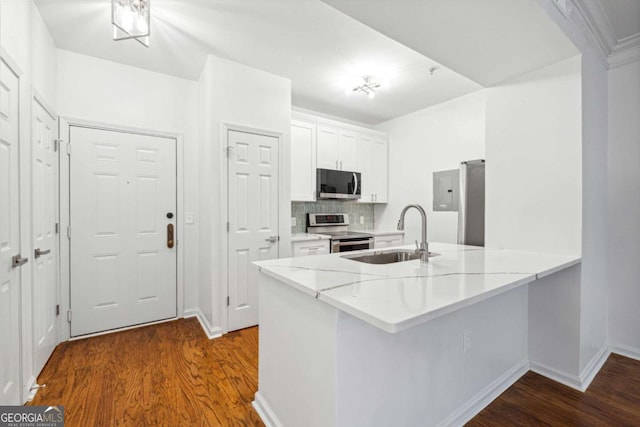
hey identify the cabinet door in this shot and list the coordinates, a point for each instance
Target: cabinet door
(303, 161)
(348, 150)
(314, 247)
(379, 170)
(388, 241)
(368, 178)
(327, 148)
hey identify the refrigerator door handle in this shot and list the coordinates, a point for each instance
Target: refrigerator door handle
(462, 208)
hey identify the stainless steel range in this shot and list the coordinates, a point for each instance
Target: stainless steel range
(337, 226)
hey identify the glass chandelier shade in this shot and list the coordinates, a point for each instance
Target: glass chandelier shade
(131, 20)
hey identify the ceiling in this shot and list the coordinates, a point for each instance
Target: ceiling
(623, 17)
(319, 48)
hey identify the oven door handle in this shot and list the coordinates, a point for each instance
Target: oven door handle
(352, 243)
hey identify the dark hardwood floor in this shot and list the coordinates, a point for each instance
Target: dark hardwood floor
(168, 374)
(612, 399)
(171, 374)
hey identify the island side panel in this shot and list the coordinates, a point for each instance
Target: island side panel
(423, 376)
(297, 357)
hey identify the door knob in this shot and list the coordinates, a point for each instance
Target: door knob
(38, 252)
(170, 236)
(17, 261)
(272, 239)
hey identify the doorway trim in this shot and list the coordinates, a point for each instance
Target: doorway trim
(64, 127)
(223, 212)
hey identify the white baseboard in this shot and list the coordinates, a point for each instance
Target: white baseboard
(625, 350)
(593, 367)
(264, 411)
(210, 331)
(553, 374)
(487, 395)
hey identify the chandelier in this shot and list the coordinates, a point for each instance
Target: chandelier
(131, 20)
(368, 86)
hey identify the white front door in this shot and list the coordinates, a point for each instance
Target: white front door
(9, 238)
(253, 219)
(122, 210)
(45, 217)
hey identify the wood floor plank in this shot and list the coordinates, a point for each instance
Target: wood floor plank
(168, 374)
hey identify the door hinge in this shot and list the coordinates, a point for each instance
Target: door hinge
(68, 148)
(228, 301)
(69, 232)
(228, 227)
(56, 144)
(69, 316)
(57, 309)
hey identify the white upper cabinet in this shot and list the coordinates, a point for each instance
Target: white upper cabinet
(372, 152)
(337, 149)
(303, 161)
(327, 148)
(328, 144)
(348, 150)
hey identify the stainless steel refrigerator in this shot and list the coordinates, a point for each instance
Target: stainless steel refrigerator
(471, 204)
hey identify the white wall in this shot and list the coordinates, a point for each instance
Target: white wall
(28, 45)
(115, 94)
(247, 97)
(533, 173)
(624, 207)
(433, 139)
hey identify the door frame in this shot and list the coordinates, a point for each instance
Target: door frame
(64, 130)
(283, 178)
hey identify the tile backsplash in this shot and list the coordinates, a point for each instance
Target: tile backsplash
(353, 208)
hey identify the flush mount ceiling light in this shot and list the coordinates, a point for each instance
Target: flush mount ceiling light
(131, 20)
(368, 86)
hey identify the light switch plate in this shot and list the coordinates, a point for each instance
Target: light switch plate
(188, 217)
(293, 221)
(361, 220)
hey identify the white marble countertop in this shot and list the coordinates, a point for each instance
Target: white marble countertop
(397, 296)
(303, 237)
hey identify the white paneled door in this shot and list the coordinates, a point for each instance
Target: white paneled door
(122, 228)
(45, 217)
(9, 239)
(253, 219)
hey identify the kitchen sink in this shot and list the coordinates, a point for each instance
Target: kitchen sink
(388, 257)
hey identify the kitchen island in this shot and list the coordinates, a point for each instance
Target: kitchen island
(346, 343)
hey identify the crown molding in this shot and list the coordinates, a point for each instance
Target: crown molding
(627, 50)
(590, 18)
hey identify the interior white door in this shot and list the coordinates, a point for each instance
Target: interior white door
(253, 220)
(9, 238)
(122, 207)
(45, 216)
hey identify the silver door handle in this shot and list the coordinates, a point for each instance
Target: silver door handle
(340, 164)
(17, 261)
(336, 164)
(39, 252)
(272, 239)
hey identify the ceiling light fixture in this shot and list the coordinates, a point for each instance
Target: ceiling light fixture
(368, 87)
(131, 20)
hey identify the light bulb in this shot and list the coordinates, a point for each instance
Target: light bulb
(127, 19)
(141, 25)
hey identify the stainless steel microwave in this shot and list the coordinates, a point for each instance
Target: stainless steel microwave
(334, 184)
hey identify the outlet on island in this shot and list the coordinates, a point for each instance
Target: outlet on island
(361, 220)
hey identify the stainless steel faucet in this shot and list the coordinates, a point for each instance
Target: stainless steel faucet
(423, 248)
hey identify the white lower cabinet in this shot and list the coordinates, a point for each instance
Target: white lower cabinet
(388, 241)
(310, 247)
